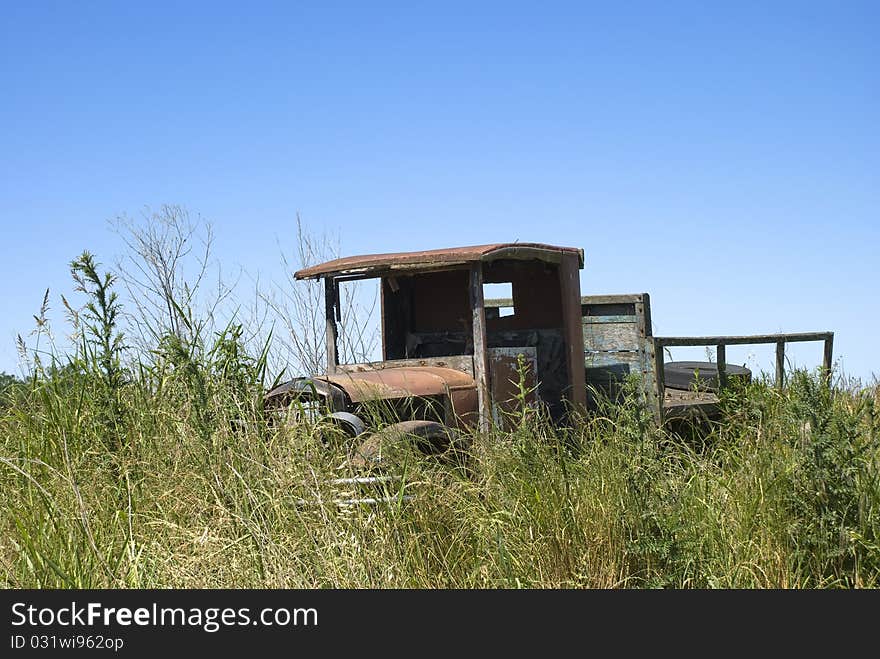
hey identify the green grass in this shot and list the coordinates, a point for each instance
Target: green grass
(200, 492)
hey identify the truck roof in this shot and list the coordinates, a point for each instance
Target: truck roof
(430, 259)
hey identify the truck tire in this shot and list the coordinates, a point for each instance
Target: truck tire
(430, 437)
(700, 376)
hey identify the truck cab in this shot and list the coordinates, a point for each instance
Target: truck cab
(447, 357)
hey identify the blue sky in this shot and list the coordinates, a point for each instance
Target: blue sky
(723, 157)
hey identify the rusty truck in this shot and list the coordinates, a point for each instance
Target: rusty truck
(454, 359)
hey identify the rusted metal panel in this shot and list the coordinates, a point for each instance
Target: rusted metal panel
(435, 257)
(504, 377)
(440, 301)
(400, 382)
(464, 407)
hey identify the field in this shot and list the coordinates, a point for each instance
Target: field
(187, 486)
(155, 467)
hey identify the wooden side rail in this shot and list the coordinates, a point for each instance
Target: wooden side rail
(720, 343)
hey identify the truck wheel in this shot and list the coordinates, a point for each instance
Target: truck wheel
(702, 376)
(430, 437)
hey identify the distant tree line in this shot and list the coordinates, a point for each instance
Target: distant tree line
(7, 380)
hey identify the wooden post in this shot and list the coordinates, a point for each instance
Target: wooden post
(826, 359)
(573, 329)
(721, 363)
(383, 289)
(780, 364)
(661, 382)
(481, 354)
(330, 313)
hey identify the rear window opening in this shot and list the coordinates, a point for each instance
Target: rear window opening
(501, 296)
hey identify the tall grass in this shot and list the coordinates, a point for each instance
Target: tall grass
(204, 493)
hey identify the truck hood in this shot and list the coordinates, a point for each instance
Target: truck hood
(400, 382)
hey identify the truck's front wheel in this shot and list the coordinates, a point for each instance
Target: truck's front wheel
(430, 437)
